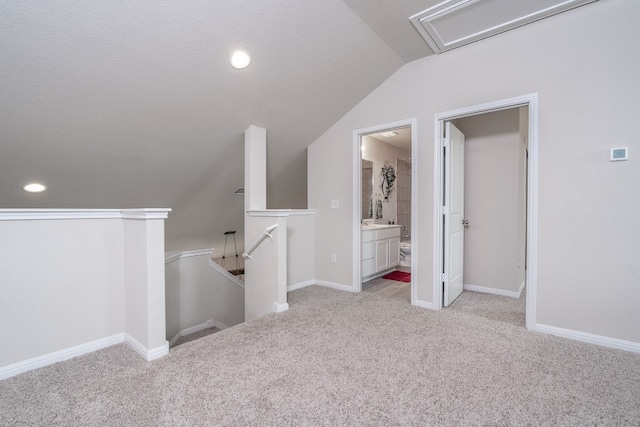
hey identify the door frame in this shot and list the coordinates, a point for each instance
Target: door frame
(530, 101)
(357, 196)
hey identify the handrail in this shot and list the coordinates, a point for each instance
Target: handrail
(267, 233)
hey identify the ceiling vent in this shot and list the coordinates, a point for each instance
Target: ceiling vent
(455, 23)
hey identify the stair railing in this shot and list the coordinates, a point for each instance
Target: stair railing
(259, 240)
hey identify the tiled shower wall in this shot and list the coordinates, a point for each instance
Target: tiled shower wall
(404, 197)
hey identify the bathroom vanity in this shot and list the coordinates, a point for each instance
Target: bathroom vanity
(380, 250)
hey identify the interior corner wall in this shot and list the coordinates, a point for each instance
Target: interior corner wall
(491, 187)
(586, 81)
(56, 290)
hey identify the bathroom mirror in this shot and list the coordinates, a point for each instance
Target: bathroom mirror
(367, 189)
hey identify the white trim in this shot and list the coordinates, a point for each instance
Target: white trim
(337, 286)
(300, 285)
(193, 329)
(56, 214)
(149, 355)
(186, 254)
(60, 214)
(415, 183)
(494, 291)
(356, 221)
(146, 213)
(281, 212)
(630, 346)
(531, 101)
(426, 22)
(212, 322)
(59, 356)
(212, 263)
(423, 304)
(226, 273)
(279, 308)
(158, 352)
(357, 197)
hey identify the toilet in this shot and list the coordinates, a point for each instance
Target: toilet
(405, 253)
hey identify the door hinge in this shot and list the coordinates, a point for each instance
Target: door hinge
(445, 210)
(445, 142)
(443, 277)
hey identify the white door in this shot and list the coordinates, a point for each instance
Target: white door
(453, 213)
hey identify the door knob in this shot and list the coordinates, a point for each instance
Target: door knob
(465, 222)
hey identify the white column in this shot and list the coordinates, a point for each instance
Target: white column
(266, 271)
(145, 321)
(255, 168)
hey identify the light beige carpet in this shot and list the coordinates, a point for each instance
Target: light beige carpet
(339, 359)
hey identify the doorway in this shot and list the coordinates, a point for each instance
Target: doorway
(392, 147)
(442, 258)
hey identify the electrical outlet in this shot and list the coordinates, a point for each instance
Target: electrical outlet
(334, 258)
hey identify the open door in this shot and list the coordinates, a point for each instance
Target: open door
(454, 222)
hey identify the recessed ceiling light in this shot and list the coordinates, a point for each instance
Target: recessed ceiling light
(34, 188)
(240, 59)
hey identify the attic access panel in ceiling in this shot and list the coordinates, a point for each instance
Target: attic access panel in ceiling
(454, 23)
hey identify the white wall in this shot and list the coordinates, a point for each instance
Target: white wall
(56, 290)
(300, 247)
(73, 281)
(198, 296)
(584, 68)
(492, 194)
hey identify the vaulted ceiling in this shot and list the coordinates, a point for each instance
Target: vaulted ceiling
(124, 104)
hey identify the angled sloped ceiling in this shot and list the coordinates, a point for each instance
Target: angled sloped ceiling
(134, 104)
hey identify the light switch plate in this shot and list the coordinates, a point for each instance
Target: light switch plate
(335, 204)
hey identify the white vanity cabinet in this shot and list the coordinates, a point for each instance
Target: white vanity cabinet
(368, 253)
(380, 250)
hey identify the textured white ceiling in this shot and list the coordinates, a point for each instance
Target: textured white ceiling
(119, 104)
(390, 21)
(133, 104)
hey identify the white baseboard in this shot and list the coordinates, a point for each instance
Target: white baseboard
(149, 355)
(59, 356)
(494, 291)
(212, 322)
(193, 329)
(300, 285)
(332, 285)
(424, 304)
(630, 346)
(279, 308)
